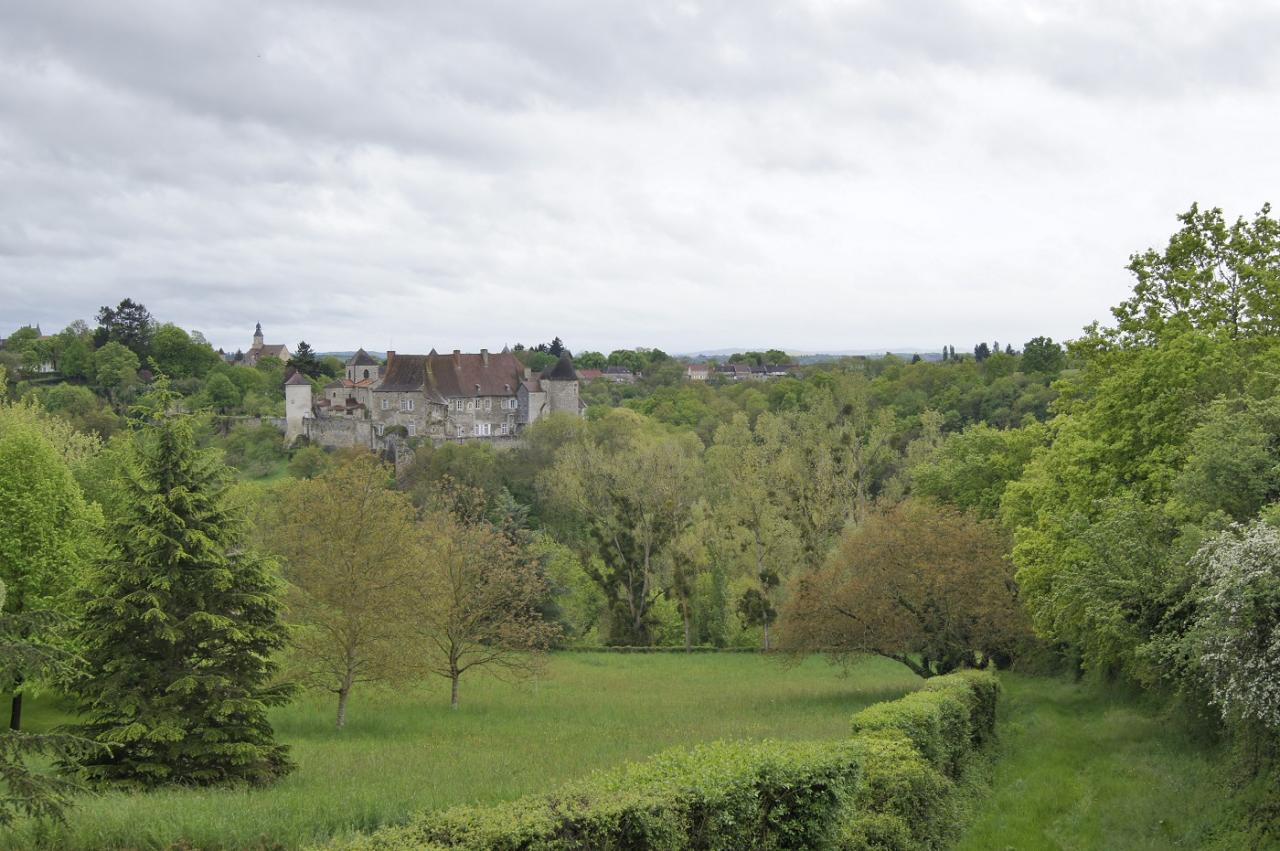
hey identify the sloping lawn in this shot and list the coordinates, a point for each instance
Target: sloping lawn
(404, 750)
(1083, 769)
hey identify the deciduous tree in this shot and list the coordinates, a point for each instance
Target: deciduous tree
(474, 600)
(352, 546)
(924, 584)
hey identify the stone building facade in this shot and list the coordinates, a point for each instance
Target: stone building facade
(448, 397)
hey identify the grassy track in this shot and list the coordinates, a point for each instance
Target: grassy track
(1082, 770)
(406, 751)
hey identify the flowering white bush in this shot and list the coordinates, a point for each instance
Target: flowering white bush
(1236, 636)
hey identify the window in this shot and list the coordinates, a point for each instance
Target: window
(502, 428)
(482, 430)
(488, 403)
(413, 428)
(381, 429)
(386, 403)
(512, 403)
(406, 404)
(366, 373)
(471, 405)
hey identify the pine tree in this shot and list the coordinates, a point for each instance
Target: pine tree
(180, 628)
(304, 360)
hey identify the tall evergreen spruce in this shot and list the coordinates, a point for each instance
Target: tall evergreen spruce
(181, 628)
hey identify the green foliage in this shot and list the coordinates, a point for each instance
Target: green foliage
(254, 451)
(308, 462)
(47, 532)
(1043, 355)
(971, 468)
(884, 788)
(176, 355)
(115, 369)
(180, 628)
(129, 324)
(1213, 276)
(306, 361)
(221, 392)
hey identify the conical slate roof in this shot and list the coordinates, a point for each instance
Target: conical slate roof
(362, 358)
(561, 370)
(297, 378)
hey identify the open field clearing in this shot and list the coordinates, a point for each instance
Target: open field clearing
(406, 751)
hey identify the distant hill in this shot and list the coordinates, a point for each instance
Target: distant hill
(345, 356)
(815, 357)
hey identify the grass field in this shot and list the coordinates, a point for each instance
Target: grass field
(1081, 769)
(405, 751)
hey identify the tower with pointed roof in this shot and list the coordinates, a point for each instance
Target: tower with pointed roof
(560, 381)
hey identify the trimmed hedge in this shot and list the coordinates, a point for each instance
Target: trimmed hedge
(624, 648)
(890, 786)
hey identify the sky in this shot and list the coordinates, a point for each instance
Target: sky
(809, 175)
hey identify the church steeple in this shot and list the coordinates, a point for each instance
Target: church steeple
(257, 336)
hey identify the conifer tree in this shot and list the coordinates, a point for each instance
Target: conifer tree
(180, 628)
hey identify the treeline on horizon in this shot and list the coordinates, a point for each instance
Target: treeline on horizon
(1107, 508)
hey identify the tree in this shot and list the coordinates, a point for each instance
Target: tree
(1042, 355)
(177, 355)
(33, 793)
(743, 475)
(756, 608)
(304, 360)
(1236, 629)
(971, 468)
(474, 597)
(920, 583)
(181, 627)
(77, 358)
(1211, 276)
(46, 530)
(221, 392)
(556, 347)
(981, 352)
(129, 324)
(115, 370)
(630, 489)
(351, 547)
(590, 360)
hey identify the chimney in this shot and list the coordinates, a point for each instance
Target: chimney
(528, 373)
(457, 359)
(391, 355)
(484, 356)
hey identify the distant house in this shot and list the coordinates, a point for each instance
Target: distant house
(590, 374)
(697, 372)
(619, 375)
(744, 372)
(260, 350)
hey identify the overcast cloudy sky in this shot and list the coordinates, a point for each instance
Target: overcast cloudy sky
(810, 175)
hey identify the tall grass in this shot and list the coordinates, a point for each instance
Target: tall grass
(404, 750)
(1080, 767)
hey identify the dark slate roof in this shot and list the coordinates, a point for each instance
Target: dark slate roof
(405, 373)
(297, 378)
(561, 370)
(361, 358)
(617, 370)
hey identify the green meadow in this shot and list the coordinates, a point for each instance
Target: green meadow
(404, 750)
(1076, 766)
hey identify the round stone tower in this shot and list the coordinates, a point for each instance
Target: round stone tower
(560, 382)
(297, 407)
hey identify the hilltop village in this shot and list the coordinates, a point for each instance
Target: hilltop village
(454, 397)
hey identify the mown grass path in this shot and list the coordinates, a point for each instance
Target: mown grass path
(1081, 769)
(405, 751)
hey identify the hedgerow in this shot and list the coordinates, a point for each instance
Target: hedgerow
(889, 786)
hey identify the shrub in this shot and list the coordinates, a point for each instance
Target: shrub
(887, 788)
